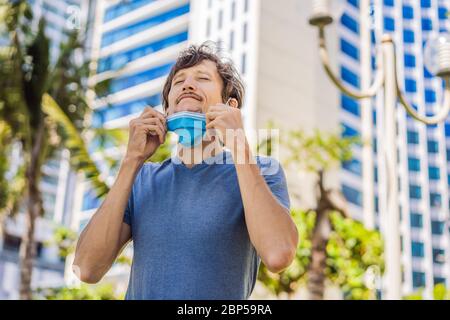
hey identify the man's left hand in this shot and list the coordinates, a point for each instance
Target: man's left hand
(222, 117)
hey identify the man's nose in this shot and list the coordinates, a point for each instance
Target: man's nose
(189, 84)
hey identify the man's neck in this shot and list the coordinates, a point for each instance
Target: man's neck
(195, 155)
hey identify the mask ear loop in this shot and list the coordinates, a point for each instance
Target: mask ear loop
(228, 101)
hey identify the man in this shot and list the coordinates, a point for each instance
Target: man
(200, 223)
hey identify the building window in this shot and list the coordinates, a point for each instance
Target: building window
(410, 85)
(349, 49)
(116, 111)
(389, 24)
(352, 195)
(353, 166)
(354, 3)
(427, 24)
(412, 137)
(435, 199)
(437, 227)
(208, 27)
(220, 20)
(442, 13)
(434, 173)
(349, 131)
(438, 280)
(416, 220)
(246, 6)
(11, 242)
(438, 256)
(231, 40)
(410, 60)
(349, 104)
(375, 174)
(418, 279)
(244, 63)
(433, 146)
(126, 82)
(415, 192)
(129, 30)
(430, 96)
(408, 36)
(119, 60)
(425, 3)
(123, 7)
(413, 164)
(350, 23)
(418, 249)
(90, 200)
(408, 12)
(350, 77)
(233, 10)
(244, 33)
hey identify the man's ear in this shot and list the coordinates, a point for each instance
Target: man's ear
(233, 103)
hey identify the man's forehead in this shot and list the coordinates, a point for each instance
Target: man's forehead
(205, 66)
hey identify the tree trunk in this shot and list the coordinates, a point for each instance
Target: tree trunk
(34, 208)
(320, 236)
(316, 274)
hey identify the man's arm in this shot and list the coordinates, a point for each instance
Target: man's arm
(271, 228)
(272, 231)
(106, 234)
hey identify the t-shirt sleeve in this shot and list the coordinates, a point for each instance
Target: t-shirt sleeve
(127, 215)
(275, 178)
(129, 209)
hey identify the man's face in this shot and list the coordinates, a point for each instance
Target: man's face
(195, 88)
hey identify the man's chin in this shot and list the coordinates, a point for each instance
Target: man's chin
(190, 109)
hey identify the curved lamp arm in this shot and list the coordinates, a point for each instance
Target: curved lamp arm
(379, 77)
(444, 110)
(439, 117)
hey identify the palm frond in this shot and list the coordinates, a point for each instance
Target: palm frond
(80, 158)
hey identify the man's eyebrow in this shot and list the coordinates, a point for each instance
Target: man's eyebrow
(177, 75)
(204, 72)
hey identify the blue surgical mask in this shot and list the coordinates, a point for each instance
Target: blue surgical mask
(189, 126)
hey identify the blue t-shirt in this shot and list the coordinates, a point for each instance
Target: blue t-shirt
(188, 229)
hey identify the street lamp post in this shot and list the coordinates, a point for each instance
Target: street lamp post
(386, 76)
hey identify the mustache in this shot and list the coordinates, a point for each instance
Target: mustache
(191, 95)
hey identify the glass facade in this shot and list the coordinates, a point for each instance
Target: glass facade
(129, 30)
(119, 60)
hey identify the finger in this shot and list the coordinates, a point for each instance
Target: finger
(156, 121)
(212, 124)
(149, 112)
(211, 115)
(153, 129)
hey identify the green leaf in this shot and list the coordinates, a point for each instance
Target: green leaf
(76, 145)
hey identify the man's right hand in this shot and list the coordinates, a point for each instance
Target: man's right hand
(147, 133)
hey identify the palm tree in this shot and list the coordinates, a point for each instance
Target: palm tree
(42, 108)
